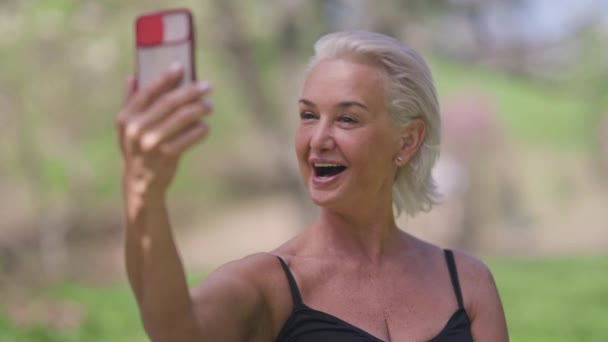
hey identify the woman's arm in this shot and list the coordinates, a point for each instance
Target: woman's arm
(156, 126)
(156, 274)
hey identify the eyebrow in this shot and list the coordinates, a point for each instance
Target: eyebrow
(344, 104)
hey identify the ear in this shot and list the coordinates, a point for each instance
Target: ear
(412, 137)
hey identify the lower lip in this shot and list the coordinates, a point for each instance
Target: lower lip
(325, 181)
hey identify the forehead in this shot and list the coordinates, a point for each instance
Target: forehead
(339, 80)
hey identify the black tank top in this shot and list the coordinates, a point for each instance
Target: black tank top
(307, 324)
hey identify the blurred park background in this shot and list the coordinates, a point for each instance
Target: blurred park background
(523, 89)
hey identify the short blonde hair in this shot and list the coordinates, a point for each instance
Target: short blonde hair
(410, 94)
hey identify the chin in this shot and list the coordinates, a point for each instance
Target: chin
(326, 199)
(330, 192)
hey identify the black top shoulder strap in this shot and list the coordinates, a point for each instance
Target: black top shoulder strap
(293, 286)
(449, 257)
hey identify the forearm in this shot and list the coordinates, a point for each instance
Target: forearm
(154, 268)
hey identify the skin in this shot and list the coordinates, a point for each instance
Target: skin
(353, 262)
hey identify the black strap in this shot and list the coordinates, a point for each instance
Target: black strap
(293, 286)
(449, 258)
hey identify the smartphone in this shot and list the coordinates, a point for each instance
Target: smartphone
(163, 38)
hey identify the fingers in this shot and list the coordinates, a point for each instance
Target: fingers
(121, 120)
(166, 107)
(183, 118)
(160, 120)
(146, 96)
(182, 142)
(131, 88)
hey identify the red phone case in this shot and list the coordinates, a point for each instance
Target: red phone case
(162, 38)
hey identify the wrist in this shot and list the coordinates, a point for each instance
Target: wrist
(138, 203)
(145, 186)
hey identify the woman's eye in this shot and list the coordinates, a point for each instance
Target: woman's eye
(348, 119)
(307, 115)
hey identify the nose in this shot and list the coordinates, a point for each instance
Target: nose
(322, 137)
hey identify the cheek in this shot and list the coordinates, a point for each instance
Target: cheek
(301, 143)
(371, 151)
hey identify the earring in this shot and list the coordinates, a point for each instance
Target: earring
(399, 159)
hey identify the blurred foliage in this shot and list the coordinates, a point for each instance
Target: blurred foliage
(533, 114)
(64, 64)
(562, 299)
(64, 67)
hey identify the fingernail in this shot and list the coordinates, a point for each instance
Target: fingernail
(208, 103)
(203, 85)
(175, 67)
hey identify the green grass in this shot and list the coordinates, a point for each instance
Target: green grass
(555, 300)
(545, 300)
(111, 315)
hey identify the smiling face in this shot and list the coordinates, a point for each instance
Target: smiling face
(345, 142)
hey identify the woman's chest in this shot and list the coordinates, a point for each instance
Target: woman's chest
(388, 309)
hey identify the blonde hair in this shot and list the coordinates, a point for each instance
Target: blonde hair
(410, 95)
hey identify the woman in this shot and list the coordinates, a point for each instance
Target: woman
(367, 140)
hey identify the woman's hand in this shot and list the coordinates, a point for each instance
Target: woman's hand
(156, 125)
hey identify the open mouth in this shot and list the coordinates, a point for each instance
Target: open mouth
(323, 170)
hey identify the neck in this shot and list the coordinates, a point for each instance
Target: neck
(367, 235)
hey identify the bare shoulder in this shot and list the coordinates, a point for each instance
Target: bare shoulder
(248, 269)
(481, 298)
(238, 295)
(474, 276)
(248, 276)
(472, 268)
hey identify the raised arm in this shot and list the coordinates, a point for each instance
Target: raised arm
(156, 126)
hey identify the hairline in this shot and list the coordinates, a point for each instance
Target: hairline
(375, 63)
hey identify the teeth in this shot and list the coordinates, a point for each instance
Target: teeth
(325, 165)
